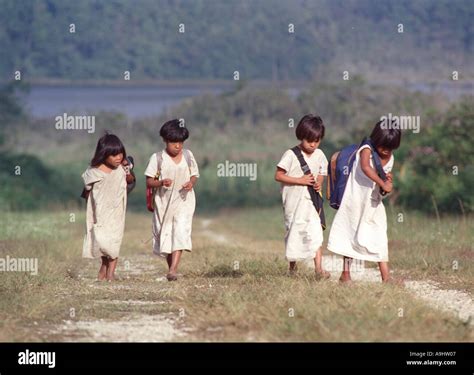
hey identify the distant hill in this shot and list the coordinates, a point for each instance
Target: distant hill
(253, 37)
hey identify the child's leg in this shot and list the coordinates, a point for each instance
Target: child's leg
(318, 260)
(318, 264)
(103, 269)
(346, 270)
(384, 271)
(175, 258)
(293, 269)
(111, 269)
(169, 260)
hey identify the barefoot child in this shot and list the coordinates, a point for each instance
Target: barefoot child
(359, 229)
(304, 233)
(106, 192)
(173, 172)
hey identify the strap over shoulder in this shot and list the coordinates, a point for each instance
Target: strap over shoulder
(187, 157)
(299, 155)
(159, 159)
(316, 198)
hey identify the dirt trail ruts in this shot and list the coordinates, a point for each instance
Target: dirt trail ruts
(142, 327)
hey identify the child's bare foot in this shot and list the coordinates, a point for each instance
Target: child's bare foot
(345, 277)
(171, 276)
(111, 269)
(103, 269)
(102, 275)
(322, 275)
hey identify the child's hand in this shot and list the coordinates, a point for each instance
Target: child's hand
(129, 177)
(127, 165)
(166, 182)
(387, 186)
(317, 186)
(307, 179)
(390, 176)
(188, 186)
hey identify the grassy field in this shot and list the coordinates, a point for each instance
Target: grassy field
(234, 285)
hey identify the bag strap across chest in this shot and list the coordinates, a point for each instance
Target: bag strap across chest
(316, 197)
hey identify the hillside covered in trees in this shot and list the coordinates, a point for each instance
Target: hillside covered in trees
(253, 37)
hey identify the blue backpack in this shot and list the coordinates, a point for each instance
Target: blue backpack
(340, 166)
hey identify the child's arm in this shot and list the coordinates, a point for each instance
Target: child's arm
(280, 176)
(128, 171)
(371, 173)
(130, 178)
(190, 184)
(319, 183)
(151, 182)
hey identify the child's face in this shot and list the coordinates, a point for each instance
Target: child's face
(310, 147)
(174, 148)
(384, 153)
(114, 161)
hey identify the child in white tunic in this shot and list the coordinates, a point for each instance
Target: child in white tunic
(304, 233)
(105, 184)
(174, 200)
(359, 229)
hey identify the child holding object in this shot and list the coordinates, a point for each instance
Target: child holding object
(303, 223)
(359, 229)
(105, 182)
(172, 173)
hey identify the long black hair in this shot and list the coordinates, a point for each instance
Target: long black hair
(386, 135)
(108, 145)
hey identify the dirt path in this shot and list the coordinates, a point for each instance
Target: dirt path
(138, 325)
(455, 302)
(450, 300)
(136, 328)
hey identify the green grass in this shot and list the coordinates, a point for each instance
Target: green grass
(255, 301)
(420, 246)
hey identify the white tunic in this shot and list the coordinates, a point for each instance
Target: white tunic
(174, 207)
(304, 234)
(105, 216)
(359, 229)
